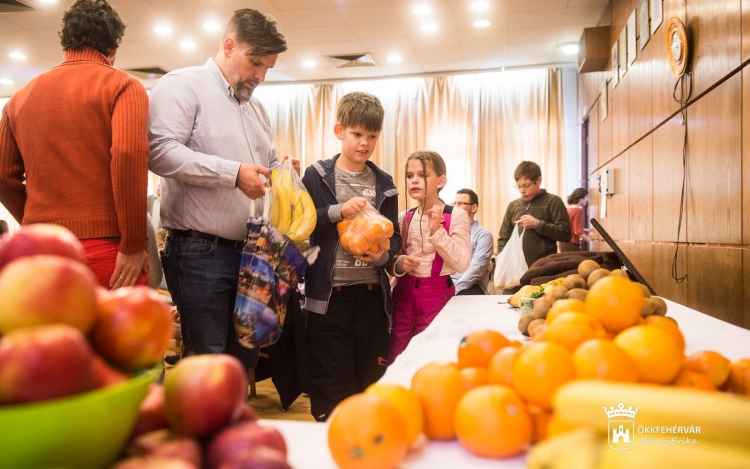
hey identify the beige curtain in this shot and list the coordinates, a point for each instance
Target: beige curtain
(483, 125)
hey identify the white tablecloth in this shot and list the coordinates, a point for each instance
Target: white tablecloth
(308, 448)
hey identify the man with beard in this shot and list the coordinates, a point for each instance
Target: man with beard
(211, 142)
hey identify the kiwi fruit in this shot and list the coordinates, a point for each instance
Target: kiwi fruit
(523, 324)
(586, 267)
(540, 309)
(661, 306)
(646, 292)
(619, 273)
(574, 281)
(578, 293)
(649, 307)
(555, 293)
(597, 275)
(535, 323)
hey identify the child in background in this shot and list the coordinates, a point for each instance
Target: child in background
(436, 244)
(348, 298)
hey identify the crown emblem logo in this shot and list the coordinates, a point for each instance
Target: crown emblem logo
(621, 411)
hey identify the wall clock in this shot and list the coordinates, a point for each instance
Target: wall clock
(677, 46)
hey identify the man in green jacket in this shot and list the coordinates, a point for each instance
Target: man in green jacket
(541, 215)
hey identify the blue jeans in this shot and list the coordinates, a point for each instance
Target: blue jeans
(202, 279)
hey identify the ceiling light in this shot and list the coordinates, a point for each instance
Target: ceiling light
(569, 49)
(188, 44)
(480, 5)
(481, 23)
(5, 82)
(422, 10)
(48, 1)
(395, 58)
(309, 63)
(163, 30)
(17, 56)
(429, 27)
(211, 26)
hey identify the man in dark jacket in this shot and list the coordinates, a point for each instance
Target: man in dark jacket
(542, 216)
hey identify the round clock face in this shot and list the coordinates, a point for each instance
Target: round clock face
(676, 47)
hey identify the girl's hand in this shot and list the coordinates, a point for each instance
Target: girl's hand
(408, 263)
(435, 217)
(353, 206)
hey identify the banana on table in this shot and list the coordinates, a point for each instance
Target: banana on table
(292, 210)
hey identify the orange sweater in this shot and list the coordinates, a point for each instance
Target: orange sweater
(76, 135)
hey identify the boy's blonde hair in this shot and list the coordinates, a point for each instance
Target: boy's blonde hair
(360, 109)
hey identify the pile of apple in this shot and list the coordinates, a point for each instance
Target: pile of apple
(200, 418)
(60, 333)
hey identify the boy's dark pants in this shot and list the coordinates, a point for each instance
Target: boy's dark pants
(345, 349)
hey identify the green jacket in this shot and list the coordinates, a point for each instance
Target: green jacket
(554, 225)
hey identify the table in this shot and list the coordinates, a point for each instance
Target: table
(308, 448)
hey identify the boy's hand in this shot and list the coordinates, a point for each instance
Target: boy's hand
(527, 221)
(407, 264)
(435, 217)
(371, 257)
(295, 163)
(353, 206)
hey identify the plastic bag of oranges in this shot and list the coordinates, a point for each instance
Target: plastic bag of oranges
(368, 230)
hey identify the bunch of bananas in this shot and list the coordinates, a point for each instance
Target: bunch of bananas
(292, 210)
(720, 429)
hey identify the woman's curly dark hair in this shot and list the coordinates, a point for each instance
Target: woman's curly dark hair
(91, 23)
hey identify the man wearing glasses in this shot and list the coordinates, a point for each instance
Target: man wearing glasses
(542, 216)
(475, 279)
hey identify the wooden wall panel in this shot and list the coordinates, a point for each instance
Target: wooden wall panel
(664, 81)
(620, 116)
(589, 88)
(746, 154)
(716, 34)
(642, 257)
(617, 222)
(664, 284)
(715, 166)
(605, 136)
(593, 143)
(667, 176)
(641, 94)
(745, 29)
(641, 176)
(715, 276)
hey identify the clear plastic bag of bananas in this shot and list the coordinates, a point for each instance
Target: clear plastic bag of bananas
(292, 210)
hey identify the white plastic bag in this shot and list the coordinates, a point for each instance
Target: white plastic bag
(510, 264)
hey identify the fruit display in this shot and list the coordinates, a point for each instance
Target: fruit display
(368, 230)
(293, 212)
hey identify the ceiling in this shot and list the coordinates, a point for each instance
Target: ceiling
(521, 33)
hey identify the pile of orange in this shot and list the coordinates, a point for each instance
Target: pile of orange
(363, 233)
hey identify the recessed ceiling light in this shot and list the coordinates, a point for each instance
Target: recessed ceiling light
(309, 63)
(422, 10)
(569, 49)
(480, 5)
(5, 82)
(481, 23)
(211, 26)
(395, 58)
(188, 44)
(428, 27)
(17, 56)
(163, 30)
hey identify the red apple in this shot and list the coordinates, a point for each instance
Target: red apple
(167, 444)
(155, 463)
(32, 240)
(151, 414)
(203, 393)
(261, 457)
(241, 437)
(46, 289)
(44, 363)
(105, 375)
(133, 327)
(244, 413)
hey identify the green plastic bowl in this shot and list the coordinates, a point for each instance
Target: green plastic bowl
(78, 432)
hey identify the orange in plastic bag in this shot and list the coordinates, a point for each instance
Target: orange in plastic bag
(366, 231)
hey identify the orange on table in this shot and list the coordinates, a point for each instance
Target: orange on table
(492, 421)
(479, 346)
(669, 326)
(540, 369)
(557, 426)
(713, 365)
(693, 379)
(407, 404)
(474, 376)
(535, 333)
(657, 357)
(567, 305)
(739, 377)
(540, 418)
(439, 386)
(367, 432)
(616, 302)
(569, 334)
(602, 359)
(500, 367)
